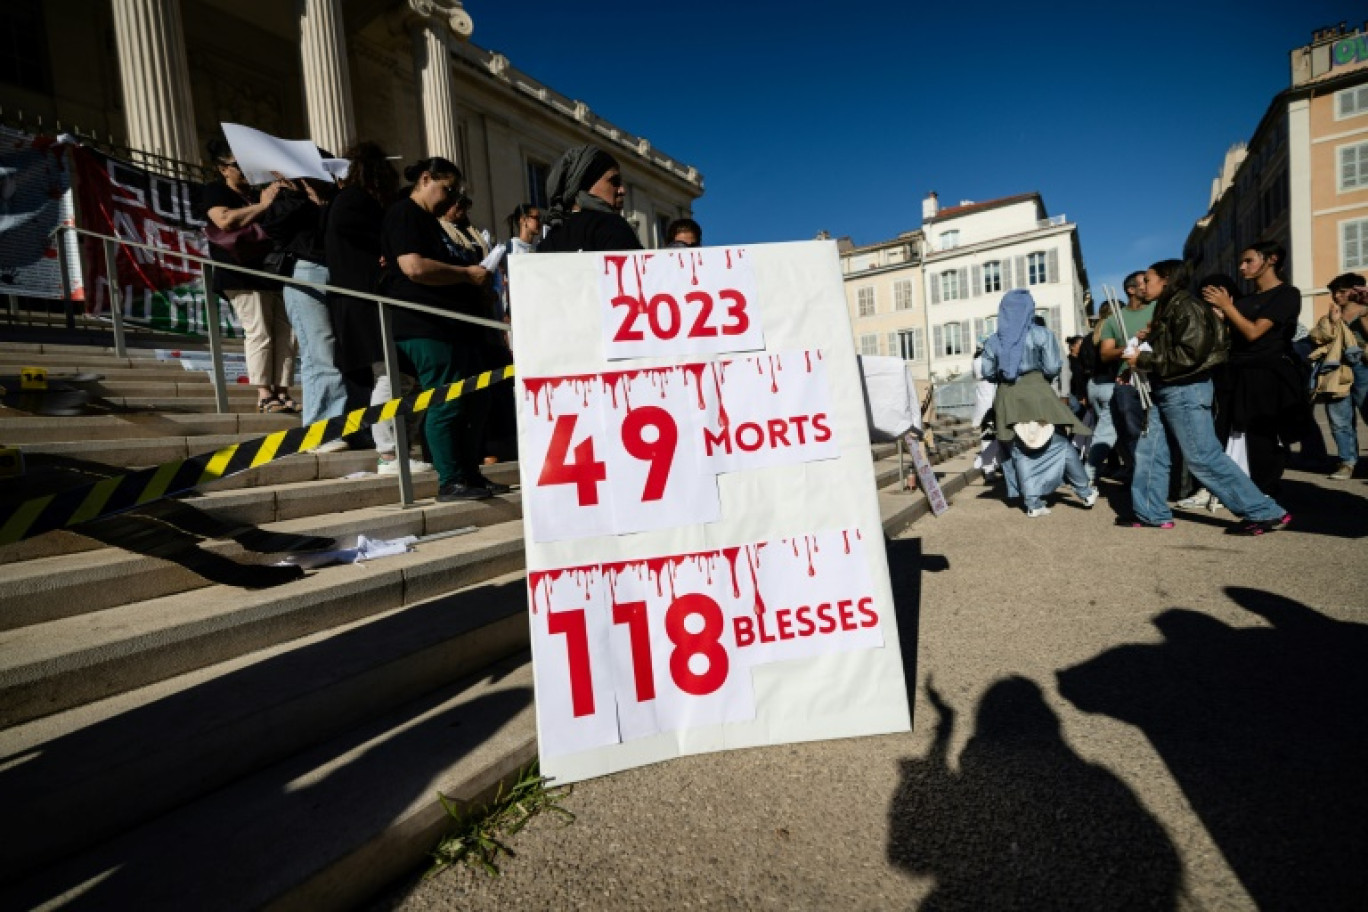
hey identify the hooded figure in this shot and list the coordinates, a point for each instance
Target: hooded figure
(1022, 357)
(586, 194)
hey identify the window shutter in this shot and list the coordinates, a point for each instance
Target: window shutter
(966, 345)
(964, 282)
(976, 289)
(1023, 276)
(1007, 274)
(918, 345)
(978, 330)
(1052, 265)
(936, 337)
(1052, 317)
(893, 345)
(935, 288)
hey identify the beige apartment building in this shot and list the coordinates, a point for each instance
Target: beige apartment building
(160, 75)
(1302, 179)
(883, 293)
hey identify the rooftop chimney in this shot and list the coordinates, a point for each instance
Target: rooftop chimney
(930, 206)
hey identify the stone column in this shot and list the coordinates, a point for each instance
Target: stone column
(155, 78)
(438, 22)
(327, 79)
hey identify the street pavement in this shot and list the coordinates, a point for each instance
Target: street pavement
(1104, 718)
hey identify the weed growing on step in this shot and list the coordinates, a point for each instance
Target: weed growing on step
(478, 836)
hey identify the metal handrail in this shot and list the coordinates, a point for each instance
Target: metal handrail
(211, 304)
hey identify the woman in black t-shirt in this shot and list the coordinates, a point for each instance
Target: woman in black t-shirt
(1268, 402)
(423, 266)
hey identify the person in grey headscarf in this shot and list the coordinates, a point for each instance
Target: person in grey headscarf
(586, 195)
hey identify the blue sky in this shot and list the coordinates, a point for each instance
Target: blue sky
(805, 117)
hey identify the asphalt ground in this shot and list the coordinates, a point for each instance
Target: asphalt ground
(1104, 718)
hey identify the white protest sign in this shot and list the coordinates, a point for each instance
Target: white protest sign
(706, 563)
(679, 302)
(263, 157)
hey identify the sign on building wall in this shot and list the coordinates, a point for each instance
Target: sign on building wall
(161, 289)
(705, 555)
(35, 197)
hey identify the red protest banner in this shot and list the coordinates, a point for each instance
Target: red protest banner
(161, 289)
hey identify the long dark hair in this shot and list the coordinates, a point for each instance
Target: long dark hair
(371, 170)
(1176, 274)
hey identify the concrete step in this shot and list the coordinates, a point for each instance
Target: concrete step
(173, 404)
(22, 432)
(273, 493)
(59, 664)
(117, 763)
(193, 384)
(13, 349)
(321, 830)
(163, 563)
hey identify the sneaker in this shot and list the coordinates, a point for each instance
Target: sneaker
(1214, 504)
(1038, 511)
(1201, 499)
(390, 466)
(1343, 473)
(457, 492)
(336, 445)
(1260, 526)
(494, 487)
(1136, 524)
(1091, 500)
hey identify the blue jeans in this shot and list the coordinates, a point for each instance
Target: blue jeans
(1185, 411)
(1342, 414)
(1033, 473)
(1104, 434)
(325, 392)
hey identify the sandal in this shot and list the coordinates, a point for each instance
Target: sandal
(270, 406)
(287, 404)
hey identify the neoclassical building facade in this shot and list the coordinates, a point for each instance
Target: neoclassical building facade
(160, 75)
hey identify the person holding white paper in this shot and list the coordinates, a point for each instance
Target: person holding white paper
(233, 209)
(474, 248)
(424, 266)
(295, 222)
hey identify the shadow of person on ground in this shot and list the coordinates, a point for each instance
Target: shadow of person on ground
(1025, 823)
(1341, 512)
(1266, 731)
(906, 563)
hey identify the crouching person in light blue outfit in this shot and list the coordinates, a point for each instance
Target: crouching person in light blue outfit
(1022, 357)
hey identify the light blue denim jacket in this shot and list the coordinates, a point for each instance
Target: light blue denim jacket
(1040, 353)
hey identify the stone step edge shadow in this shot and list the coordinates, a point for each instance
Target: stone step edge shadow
(230, 720)
(121, 663)
(326, 829)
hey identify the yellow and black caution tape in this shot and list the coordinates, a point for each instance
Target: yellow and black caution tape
(124, 492)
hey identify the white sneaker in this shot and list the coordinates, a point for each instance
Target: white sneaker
(335, 445)
(1214, 504)
(1038, 511)
(1201, 499)
(391, 466)
(1091, 499)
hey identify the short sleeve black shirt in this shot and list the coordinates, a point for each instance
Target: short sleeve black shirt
(410, 229)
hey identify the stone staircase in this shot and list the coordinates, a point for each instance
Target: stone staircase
(184, 724)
